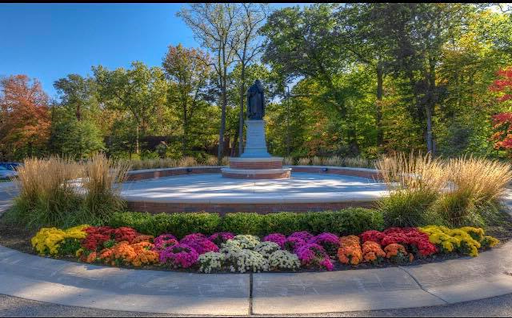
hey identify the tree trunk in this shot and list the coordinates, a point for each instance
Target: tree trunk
(430, 146)
(224, 102)
(241, 123)
(380, 132)
(137, 140)
(185, 129)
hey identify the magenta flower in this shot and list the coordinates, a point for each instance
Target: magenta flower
(277, 238)
(165, 240)
(193, 237)
(293, 243)
(313, 255)
(305, 235)
(330, 242)
(179, 256)
(200, 243)
(221, 237)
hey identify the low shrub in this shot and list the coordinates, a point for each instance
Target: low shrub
(180, 224)
(342, 222)
(243, 223)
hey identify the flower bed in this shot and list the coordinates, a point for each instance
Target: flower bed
(224, 251)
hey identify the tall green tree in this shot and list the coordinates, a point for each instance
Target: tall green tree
(188, 71)
(214, 26)
(302, 43)
(140, 91)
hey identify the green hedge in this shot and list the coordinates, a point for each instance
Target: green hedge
(343, 222)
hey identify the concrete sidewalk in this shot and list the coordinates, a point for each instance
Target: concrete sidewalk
(76, 284)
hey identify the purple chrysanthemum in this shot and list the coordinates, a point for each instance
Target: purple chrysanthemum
(221, 237)
(293, 243)
(277, 238)
(179, 256)
(305, 235)
(165, 240)
(330, 242)
(200, 243)
(313, 255)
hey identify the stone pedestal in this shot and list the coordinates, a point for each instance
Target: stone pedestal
(256, 162)
(256, 145)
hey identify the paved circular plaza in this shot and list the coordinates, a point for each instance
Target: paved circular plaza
(213, 188)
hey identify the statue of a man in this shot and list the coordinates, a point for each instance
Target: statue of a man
(255, 101)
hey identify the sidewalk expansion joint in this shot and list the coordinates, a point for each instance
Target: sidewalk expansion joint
(421, 286)
(250, 294)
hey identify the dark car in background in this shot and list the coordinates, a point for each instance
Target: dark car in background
(8, 170)
(10, 165)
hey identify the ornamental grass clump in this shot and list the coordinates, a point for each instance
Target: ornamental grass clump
(47, 197)
(475, 185)
(61, 192)
(101, 181)
(415, 183)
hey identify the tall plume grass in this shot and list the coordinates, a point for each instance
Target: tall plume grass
(102, 180)
(456, 192)
(61, 192)
(415, 183)
(474, 188)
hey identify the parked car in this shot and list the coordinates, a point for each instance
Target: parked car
(10, 165)
(7, 173)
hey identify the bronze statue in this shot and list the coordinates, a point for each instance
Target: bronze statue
(255, 101)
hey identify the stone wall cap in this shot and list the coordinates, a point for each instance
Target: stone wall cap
(255, 159)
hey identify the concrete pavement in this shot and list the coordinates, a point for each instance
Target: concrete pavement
(213, 188)
(76, 284)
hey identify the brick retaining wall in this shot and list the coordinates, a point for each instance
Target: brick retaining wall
(222, 208)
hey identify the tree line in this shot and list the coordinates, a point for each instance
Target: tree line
(350, 80)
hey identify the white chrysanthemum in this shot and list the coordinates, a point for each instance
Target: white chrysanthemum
(247, 241)
(211, 261)
(266, 248)
(283, 260)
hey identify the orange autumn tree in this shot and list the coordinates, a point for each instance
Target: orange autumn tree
(24, 117)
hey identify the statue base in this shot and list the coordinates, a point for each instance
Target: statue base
(256, 162)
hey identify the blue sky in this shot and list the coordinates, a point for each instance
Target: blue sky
(49, 41)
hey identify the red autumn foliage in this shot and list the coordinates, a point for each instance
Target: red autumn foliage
(502, 122)
(410, 237)
(24, 115)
